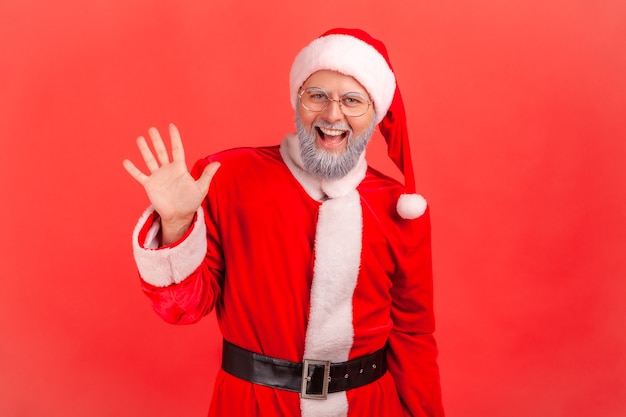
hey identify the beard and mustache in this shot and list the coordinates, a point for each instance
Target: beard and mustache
(329, 165)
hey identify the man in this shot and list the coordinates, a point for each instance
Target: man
(318, 267)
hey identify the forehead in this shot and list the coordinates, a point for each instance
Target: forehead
(335, 82)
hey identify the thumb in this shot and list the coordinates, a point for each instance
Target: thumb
(207, 175)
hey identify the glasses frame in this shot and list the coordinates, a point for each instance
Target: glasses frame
(337, 100)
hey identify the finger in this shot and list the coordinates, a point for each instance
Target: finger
(159, 146)
(178, 152)
(207, 175)
(134, 172)
(146, 153)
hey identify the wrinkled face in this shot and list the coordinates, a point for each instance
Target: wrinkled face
(331, 142)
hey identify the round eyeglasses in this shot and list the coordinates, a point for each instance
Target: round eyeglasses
(317, 100)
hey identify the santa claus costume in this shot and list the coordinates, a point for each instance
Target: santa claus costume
(298, 268)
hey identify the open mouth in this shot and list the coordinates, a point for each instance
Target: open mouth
(331, 138)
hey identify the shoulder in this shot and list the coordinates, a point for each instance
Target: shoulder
(246, 155)
(375, 179)
(240, 159)
(380, 188)
(381, 193)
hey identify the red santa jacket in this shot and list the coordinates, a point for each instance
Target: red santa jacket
(296, 267)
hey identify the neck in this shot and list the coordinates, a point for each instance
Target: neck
(319, 188)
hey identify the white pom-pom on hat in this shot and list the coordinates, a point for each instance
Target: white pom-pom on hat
(411, 206)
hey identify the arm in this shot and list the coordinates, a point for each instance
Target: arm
(182, 280)
(170, 240)
(412, 357)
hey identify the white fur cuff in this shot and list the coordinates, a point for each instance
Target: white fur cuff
(171, 265)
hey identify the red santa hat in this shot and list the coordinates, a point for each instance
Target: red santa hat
(354, 52)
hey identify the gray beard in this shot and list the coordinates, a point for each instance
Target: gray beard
(331, 165)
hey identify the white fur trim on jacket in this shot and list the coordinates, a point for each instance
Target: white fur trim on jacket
(170, 265)
(347, 55)
(338, 238)
(330, 332)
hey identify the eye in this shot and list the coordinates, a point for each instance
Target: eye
(316, 96)
(353, 100)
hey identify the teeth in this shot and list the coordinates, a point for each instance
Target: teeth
(332, 132)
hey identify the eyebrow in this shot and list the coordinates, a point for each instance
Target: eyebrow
(325, 91)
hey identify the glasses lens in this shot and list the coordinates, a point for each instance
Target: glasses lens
(314, 99)
(351, 104)
(354, 104)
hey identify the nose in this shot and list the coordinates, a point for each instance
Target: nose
(333, 111)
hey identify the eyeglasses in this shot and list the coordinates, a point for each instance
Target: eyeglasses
(317, 100)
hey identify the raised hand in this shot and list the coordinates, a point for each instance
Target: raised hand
(172, 191)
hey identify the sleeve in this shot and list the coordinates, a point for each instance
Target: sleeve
(182, 280)
(412, 357)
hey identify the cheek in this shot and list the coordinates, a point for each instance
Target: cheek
(306, 118)
(360, 127)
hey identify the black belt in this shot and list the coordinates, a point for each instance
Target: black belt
(311, 378)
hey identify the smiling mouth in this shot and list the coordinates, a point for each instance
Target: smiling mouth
(331, 138)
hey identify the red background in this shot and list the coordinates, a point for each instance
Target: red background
(517, 117)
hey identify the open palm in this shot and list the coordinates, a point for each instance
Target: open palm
(172, 191)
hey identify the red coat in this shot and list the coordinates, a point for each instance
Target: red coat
(292, 273)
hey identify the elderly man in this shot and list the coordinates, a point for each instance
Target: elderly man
(318, 266)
